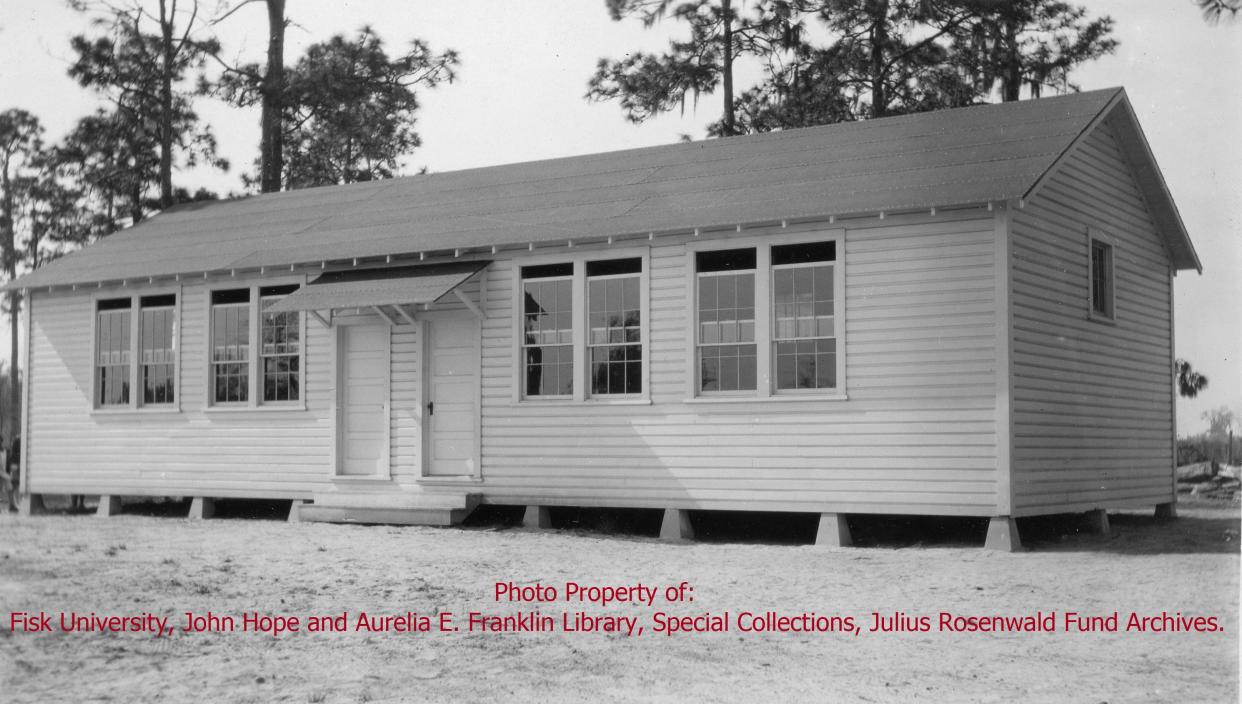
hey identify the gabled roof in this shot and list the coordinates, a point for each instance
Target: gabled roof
(939, 159)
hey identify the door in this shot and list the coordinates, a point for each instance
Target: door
(362, 401)
(451, 433)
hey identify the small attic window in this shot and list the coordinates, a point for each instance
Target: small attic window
(1102, 281)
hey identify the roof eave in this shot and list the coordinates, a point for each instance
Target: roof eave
(1156, 192)
(1156, 189)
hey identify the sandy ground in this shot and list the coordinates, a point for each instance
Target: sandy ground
(131, 565)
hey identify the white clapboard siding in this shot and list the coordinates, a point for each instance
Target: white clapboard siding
(242, 453)
(917, 434)
(1092, 405)
(226, 453)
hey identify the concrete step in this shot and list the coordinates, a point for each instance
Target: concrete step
(395, 509)
(392, 499)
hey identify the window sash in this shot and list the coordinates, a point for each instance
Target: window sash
(158, 365)
(726, 352)
(614, 348)
(1102, 278)
(113, 356)
(280, 353)
(548, 353)
(230, 352)
(802, 359)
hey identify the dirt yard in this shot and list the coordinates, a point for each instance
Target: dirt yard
(132, 566)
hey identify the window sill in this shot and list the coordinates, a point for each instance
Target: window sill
(463, 479)
(787, 398)
(361, 478)
(142, 411)
(255, 409)
(528, 403)
(1101, 318)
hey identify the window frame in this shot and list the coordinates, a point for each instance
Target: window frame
(765, 362)
(135, 402)
(1095, 236)
(837, 292)
(572, 344)
(588, 372)
(254, 380)
(755, 273)
(581, 319)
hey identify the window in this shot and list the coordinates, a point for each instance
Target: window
(230, 346)
(281, 353)
(1101, 278)
(547, 340)
(124, 379)
(159, 364)
(726, 320)
(803, 315)
(584, 328)
(615, 326)
(267, 371)
(112, 350)
(768, 318)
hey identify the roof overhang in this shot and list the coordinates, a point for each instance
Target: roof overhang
(389, 286)
(1119, 115)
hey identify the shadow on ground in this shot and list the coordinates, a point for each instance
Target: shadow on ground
(167, 507)
(1201, 529)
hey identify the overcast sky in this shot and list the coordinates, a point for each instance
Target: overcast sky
(524, 71)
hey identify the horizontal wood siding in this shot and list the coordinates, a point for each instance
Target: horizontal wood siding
(917, 434)
(238, 453)
(1092, 403)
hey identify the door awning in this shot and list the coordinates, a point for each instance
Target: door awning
(389, 286)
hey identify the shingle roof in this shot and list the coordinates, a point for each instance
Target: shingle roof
(379, 287)
(952, 157)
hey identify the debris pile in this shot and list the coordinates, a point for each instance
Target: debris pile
(1210, 480)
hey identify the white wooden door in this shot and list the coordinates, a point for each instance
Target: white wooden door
(363, 358)
(452, 399)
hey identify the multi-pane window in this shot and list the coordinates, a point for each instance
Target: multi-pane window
(158, 349)
(112, 352)
(136, 351)
(1101, 278)
(726, 320)
(614, 339)
(769, 318)
(230, 346)
(281, 350)
(547, 330)
(804, 341)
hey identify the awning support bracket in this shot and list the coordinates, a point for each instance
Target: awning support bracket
(326, 322)
(385, 316)
(474, 307)
(409, 318)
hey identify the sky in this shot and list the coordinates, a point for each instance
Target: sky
(519, 96)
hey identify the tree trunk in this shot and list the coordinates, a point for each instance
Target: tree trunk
(271, 142)
(879, 42)
(726, 68)
(1013, 64)
(7, 243)
(135, 204)
(167, 58)
(15, 306)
